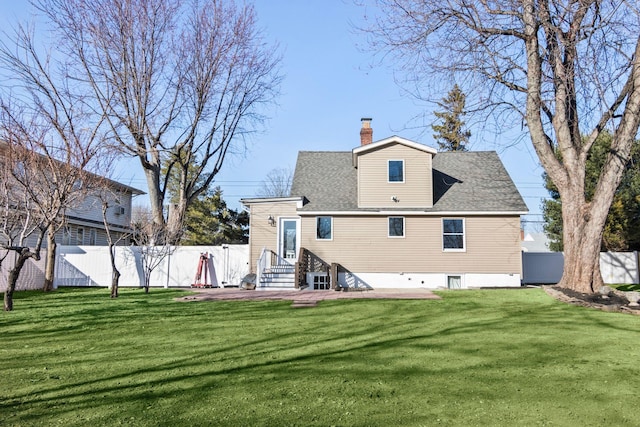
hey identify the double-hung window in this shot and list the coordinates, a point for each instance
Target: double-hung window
(453, 234)
(396, 171)
(80, 236)
(324, 228)
(396, 226)
(92, 236)
(66, 236)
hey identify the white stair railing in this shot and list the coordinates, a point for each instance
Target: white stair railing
(264, 262)
(260, 266)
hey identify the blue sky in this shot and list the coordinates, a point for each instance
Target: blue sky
(329, 85)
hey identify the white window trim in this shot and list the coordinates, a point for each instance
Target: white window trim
(403, 171)
(464, 236)
(331, 220)
(404, 228)
(280, 221)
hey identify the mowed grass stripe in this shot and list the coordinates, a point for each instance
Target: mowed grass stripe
(501, 357)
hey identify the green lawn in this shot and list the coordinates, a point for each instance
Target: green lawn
(502, 357)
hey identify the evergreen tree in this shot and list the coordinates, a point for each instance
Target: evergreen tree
(622, 227)
(209, 221)
(450, 134)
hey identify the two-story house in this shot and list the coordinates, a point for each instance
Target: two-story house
(83, 223)
(390, 214)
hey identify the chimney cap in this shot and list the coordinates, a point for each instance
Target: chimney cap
(366, 119)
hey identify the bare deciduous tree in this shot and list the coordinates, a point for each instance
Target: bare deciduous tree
(181, 83)
(40, 181)
(108, 197)
(152, 240)
(567, 69)
(277, 183)
(20, 219)
(43, 114)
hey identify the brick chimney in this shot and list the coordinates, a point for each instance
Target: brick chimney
(366, 133)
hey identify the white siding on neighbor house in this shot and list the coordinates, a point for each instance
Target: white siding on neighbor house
(374, 190)
(71, 229)
(91, 209)
(101, 235)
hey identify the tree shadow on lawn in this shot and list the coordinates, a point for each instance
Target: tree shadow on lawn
(370, 338)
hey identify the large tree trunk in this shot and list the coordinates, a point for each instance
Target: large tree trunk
(14, 273)
(156, 196)
(582, 227)
(50, 262)
(583, 222)
(176, 221)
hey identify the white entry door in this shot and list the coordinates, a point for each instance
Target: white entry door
(289, 238)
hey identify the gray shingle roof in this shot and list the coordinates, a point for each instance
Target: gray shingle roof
(327, 179)
(473, 181)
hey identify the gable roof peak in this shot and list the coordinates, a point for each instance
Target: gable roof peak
(388, 141)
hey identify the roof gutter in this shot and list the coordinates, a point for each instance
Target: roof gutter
(411, 213)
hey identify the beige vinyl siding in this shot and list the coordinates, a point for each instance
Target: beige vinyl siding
(374, 190)
(264, 235)
(360, 244)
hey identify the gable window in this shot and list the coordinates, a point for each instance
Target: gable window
(396, 226)
(453, 234)
(324, 228)
(396, 170)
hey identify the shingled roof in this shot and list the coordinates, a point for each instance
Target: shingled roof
(474, 181)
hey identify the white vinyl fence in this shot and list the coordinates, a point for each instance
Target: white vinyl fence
(546, 267)
(90, 266)
(31, 276)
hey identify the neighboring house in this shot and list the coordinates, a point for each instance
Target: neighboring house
(84, 223)
(390, 214)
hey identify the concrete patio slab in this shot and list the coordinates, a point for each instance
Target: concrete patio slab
(305, 297)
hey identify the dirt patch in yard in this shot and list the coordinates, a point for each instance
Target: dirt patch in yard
(609, 300)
